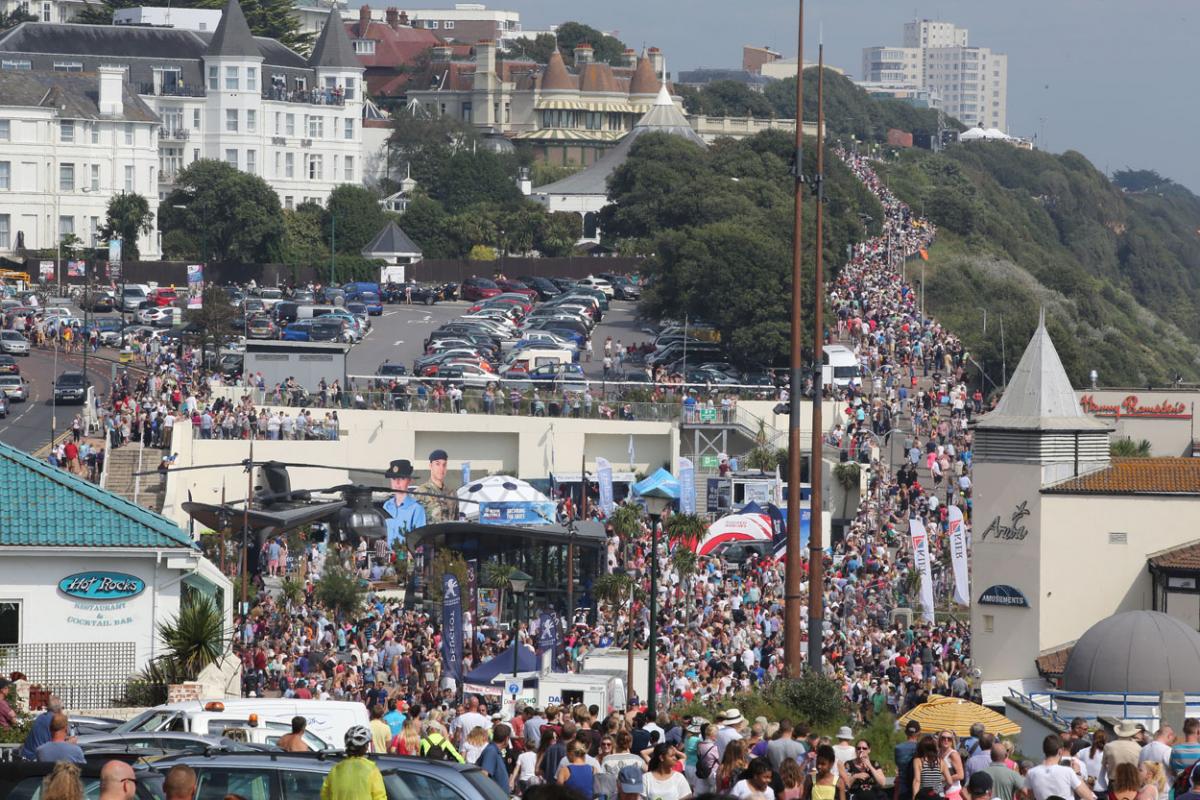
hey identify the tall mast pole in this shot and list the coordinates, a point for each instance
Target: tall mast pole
(816, 565)
(791, 604)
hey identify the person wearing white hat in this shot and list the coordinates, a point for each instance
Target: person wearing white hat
(730, 723)
(1124, 750)
(843, 751)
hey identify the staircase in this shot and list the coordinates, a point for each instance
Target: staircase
(142, 490)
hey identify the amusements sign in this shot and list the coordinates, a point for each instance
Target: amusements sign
(1131, 406)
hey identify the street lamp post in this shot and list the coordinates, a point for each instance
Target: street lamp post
(629, 649)
(517, 581)
(655, 506)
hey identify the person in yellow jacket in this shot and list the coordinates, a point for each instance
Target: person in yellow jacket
(436, 745)
(355, 777)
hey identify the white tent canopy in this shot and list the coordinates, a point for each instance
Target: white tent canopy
(496, 489)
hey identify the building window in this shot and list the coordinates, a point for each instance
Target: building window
(251, 78)
(364, 47)
(18, 64)
(316, 127)
(231, 158)
(231, 120)
(95, 177)
(4, 245)
(989, 623)
(68, 66)
(1118, 538)
(466, 112)
(349, 127)
(46, 17)
(129, 177)
(349, 167)
(66, 130)
(289, 165)
(290, 127)
(195, 154)
(252, 162)
(432, 24)
(214, 78)
(5, 174)
(66, 177)
(278, 122)
(251, 120)
(5, 130)
(128, 133)
(231, 78)
(289, 202)
(10, 610)
(278, 161)
(316, 168)
(66, 227)
(348, 91)
(93, 230)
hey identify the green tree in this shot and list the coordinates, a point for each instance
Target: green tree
(128, 218)
(556, 235)
(359, 218)
(444, 561)
(482, 252)
(430, 226)
(1128, 448)
(340, 591)
(195, 637)
(472, 177)
(626, 521)
(605, 48)
(683, 529)
(496, 575)
(537, 49)
(849, 477)
(613, 588)
(235, 215)
(303, 246)
(421, 145)
(214, 320)
(11, 19)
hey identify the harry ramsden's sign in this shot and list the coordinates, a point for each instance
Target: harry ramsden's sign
(1130, 407)
(1013, 531)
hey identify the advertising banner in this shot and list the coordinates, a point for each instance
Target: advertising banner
(604, 479)
(687, 486)
(516, 512)
(489, 603)
(452, 626)
(549, 637)
(920, 543)
(958, 555)
(195, 285)
(46, 269)
(114, 249)
(76, 269)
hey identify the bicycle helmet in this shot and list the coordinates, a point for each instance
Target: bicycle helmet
(358, 736)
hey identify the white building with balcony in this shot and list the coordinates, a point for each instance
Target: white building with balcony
(69, 142)
(228, 95)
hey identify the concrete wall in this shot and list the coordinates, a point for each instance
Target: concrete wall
(530, 447)
(1165, 418)
(1079, 556)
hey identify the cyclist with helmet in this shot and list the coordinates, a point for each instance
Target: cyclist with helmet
(355, 777)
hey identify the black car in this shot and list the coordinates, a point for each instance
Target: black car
(424, 295)
(20, 779)
(70, 388)
(9, 365)
(285, 312)
(543, 286)
(389, 369)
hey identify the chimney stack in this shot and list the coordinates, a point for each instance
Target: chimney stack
(364, 20)
(656, 59)
(393, 18)
(404, 19)
(583, 54)
(629, 58)
(485, 57)
(439, 54)
(112, 82)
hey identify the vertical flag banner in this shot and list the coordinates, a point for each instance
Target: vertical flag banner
(605, 480)
(466, 473)
(778, 488)
(452, 627)
(920, 544)
(958, 555)
(687, 486)
(195, 285)
(549, 637)
(631, 454)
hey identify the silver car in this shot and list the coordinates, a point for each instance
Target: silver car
(14, 388)
(13, 343)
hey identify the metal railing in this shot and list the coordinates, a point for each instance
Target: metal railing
(82, 674)
(315, 97)
(178, 90)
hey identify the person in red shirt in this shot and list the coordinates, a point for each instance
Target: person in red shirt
(71, 451)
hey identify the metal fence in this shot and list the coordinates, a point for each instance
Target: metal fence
(82, 674)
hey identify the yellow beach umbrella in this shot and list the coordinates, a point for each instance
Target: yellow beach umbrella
(953, 714)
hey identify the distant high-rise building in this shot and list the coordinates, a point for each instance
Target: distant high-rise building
(971, 82)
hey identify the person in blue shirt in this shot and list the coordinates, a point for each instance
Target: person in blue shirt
(491, 760)
(402, 512)
(39, 733)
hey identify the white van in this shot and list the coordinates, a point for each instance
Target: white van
(327, 719)
(532, 357)
(604, 690)
(310, 311)
(840, 367)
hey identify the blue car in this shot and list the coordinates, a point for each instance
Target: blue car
(369, 299)
(298, 332)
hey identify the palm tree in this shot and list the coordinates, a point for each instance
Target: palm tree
(626, 521)
(849, 477)
(613, 588)
(686, 528)
(496, 576)
(194, 638)
(1127, 448)
(292, 590)
(686, 563)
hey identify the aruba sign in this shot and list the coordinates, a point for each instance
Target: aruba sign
(102, 585)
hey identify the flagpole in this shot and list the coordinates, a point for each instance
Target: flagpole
(816, 546)
(791, 604)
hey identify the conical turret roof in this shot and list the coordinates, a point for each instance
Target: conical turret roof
(1039, 395)
(333, 48)
(556, 78)
(233, 37)
(644, 81)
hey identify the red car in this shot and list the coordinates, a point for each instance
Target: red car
(516, 287)
(160, 298)
(478, 289)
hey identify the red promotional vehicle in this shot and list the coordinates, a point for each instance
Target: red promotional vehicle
(161, 298)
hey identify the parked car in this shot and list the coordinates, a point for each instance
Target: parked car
(517, 287)
(542, 286)
(13, 343)
(9, 366)
(14, 388)
(23, 779)
(3, 407)
(162, 297)
(261, 328)
(479, 289)
(299, 776)
(596, 283)
(132, 298)
(70, 388)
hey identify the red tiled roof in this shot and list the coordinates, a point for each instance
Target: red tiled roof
(598, 78)
(1137, 476)
(556, 77)
(394, 47)
(1052, 664)
(644, 81)
(1185, 556)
